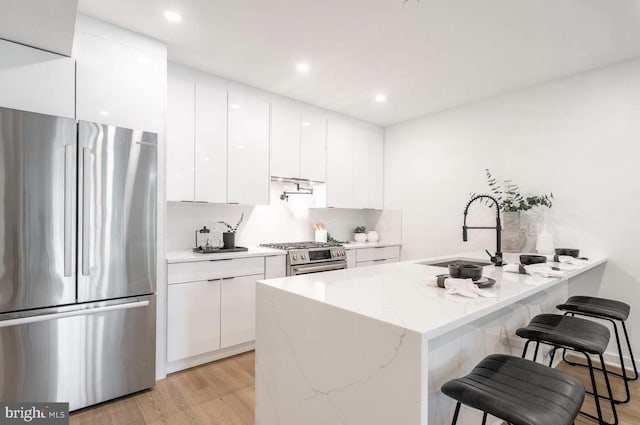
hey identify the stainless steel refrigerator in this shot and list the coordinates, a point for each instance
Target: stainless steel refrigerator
(77, 259)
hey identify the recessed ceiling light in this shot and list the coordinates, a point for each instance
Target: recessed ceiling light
(303, 67)
(381, 97)
(235, 106)
(306, 123)
(172, 16)
(104, 113)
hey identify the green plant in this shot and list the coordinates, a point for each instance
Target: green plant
(230, 228)
(511, 200)
(360, 229)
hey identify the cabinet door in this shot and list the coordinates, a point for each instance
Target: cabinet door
(210, 143)
(180, 139)
(193, 319)
(361, 155)
(275, 266)
(313, 147)
(339, 165)
(248, 150)
(120, 77)
(238, 315)
(36, 81)
(376, 171)
(285, 141)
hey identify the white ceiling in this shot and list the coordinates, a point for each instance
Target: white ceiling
(427, 55)
(48, 25)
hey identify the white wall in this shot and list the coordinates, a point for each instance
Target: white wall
(578, 137)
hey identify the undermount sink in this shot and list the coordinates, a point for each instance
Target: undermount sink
(446, 263)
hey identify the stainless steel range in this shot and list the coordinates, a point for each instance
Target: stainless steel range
(312, 257)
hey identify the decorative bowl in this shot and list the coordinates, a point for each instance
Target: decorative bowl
(527, 259)
(465, 271)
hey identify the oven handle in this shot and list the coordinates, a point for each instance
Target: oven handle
(338, 265)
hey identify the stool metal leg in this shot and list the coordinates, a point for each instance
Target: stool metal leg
(623, 375)
(611, 399)
(455, 415)
(553, 355)
(484, 419)
(633, 359)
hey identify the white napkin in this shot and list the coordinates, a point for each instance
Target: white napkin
(566, 259)
(464, 287)
(542, 269)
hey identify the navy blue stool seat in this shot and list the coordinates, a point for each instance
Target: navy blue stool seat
(518, 391)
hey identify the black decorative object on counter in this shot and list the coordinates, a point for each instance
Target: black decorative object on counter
(465, 271)
(571, 252)
(483, 282)
(212, 250)
(527, 259)
(229, 239)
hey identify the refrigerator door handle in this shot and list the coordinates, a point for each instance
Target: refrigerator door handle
(80, 312)
(86, 206)
(69, 210)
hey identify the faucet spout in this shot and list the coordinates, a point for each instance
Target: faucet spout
(497, 258)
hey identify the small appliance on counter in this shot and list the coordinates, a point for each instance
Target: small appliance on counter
(205, 244)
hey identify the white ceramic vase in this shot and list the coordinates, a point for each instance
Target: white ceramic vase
(360, 237)
(373, 236)
(544, 243)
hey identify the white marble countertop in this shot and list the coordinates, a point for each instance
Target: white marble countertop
(358, 245)
(400, 293)
(190, 256)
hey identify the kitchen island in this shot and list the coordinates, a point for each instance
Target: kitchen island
(372, 346)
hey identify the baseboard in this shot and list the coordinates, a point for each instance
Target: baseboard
(610, 359)
(179, 365)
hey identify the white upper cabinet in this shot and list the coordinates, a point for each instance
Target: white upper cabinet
(313, 147)
(368, 169)
(360, 168)
(121, 76)
(36, 81)
(248, 150)
(180, 139)
(210, 143)
(285, 141)
(376, 171)
(339, 164)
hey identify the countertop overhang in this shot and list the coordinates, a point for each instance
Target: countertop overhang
(401, 293)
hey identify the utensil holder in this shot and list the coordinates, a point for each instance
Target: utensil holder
(321, 235)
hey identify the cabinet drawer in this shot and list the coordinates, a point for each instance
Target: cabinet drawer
(376, 262)
(377, 253)
(214, 269)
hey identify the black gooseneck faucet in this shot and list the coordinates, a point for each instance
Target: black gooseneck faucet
(497, 258)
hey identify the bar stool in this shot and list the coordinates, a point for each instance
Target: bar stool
(518, 391)
(612, 311)
(579, 335)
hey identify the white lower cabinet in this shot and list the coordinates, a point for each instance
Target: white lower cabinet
(193, 326)
(238, 310)
(211, 307)
(363, 257)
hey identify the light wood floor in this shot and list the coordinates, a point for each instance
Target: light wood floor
(222, 393)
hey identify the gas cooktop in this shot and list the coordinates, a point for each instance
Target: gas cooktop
(300, 245)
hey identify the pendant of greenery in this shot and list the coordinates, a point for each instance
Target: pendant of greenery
(511, 200)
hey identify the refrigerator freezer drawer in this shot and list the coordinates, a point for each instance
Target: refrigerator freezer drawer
(82, 354)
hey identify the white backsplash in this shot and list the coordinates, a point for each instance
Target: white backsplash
(282, 221)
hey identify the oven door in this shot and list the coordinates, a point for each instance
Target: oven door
(317, 268)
